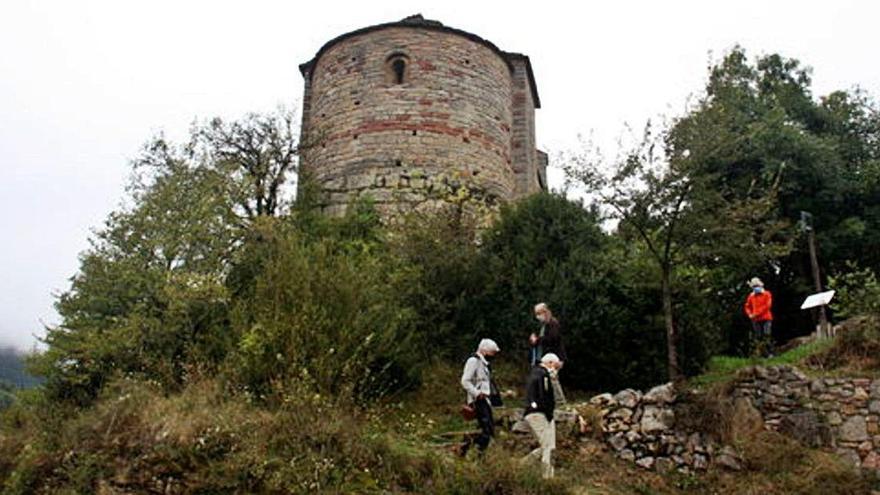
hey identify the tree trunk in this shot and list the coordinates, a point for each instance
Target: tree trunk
(671, 334)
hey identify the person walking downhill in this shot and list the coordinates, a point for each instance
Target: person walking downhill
(548, 341)
(476, 379)
(758, 308)
(540, 406)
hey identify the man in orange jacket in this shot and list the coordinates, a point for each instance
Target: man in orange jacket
(758, 308)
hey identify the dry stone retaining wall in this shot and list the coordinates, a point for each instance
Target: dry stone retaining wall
(840, 415)
(837, 414)
(642, 428)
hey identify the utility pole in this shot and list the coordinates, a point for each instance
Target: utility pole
(807, 226)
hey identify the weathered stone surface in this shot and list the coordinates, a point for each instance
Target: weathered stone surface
(603, 400)
(807, 428)
(627, 455)
(834, 418)
(623, 414)
(663, 394)
(874, 406)
(871, 461)
(646, 462)
(462, 113)
(854, 429)
(617, 441)
(656, 419)
(627, 398)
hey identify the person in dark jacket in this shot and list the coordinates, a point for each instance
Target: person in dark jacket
(548, 341)
(540, 406)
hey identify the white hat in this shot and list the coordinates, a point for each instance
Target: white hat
(550, 358)
(488, 345)
(756, 282)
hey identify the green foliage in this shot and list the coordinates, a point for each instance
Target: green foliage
(204, 440)
(549, 249)
(759, 132)
(858, 292)
(326, 313)
(442, 250)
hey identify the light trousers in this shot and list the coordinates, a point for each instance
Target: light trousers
(545, 431)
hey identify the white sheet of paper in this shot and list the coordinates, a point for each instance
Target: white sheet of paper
(820, 299)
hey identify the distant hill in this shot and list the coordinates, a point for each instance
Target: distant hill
(12, 369)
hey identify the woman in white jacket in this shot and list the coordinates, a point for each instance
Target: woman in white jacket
(477, 382)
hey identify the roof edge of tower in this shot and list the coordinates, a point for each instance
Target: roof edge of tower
(417, 21)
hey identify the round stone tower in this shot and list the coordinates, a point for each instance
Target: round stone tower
(410, 112)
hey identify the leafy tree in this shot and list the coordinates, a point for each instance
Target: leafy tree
(548, 249)
(258, 153)
(661, 201)
(150, 296)
(758, 130)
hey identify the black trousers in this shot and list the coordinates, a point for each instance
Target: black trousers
(485, 422)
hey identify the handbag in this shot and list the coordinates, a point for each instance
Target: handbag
(468, 412)
(494, 395)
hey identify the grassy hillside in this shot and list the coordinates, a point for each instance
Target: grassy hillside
(207, 439)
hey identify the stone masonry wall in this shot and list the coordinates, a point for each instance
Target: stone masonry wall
(840, 415)
(451, 123)
(642, 428)
(837, 414)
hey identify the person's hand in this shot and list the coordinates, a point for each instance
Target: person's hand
(560, 365)
(482, 396)
(533, 339)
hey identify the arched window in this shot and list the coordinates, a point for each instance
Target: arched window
(397, 68)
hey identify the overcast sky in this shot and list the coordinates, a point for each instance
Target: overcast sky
(83, 84)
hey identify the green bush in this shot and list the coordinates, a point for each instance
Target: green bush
(858, 292)
(325, 312)
(549, 249)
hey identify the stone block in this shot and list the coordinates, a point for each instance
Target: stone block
(807, 428)
(834, 418)
(871, 461)
(628, 398)
(603, 400)
(617, 441)
(854, 429)
(656, 419)
(875, 389)
(663, 394)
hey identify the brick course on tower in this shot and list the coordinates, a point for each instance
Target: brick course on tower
(408, 112)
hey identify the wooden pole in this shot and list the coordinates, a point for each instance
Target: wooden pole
(822, 328)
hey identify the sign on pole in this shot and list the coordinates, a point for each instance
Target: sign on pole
(816, 300)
